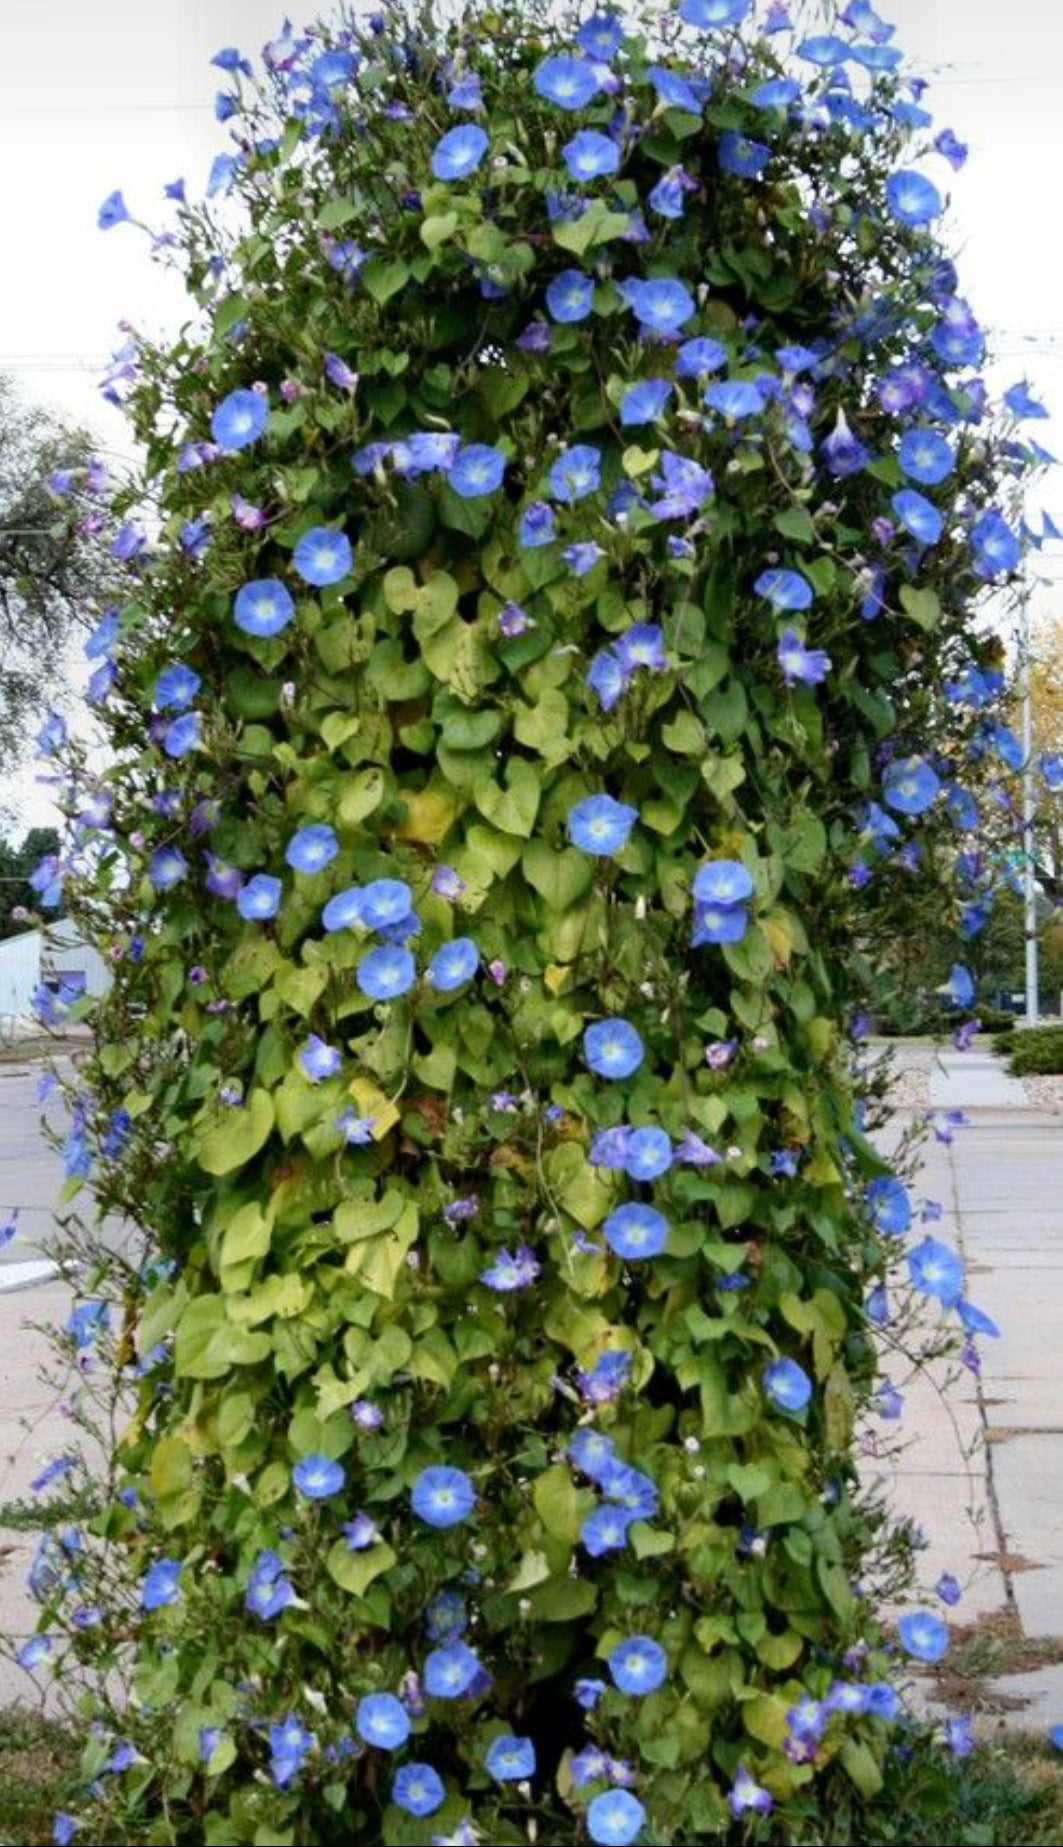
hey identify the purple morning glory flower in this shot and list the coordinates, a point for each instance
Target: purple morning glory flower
(385, 973)
(643, 402)
(912, 199)
(571, 83)
(570, 296)
(322, 557)
(260, 898)
(591, 154)
(263, 607)
(636, 1231)
(239, 420)
(843, 452)
(582, 558)
(459, 152)
(787, 1385)
(477, 469)
(660, 303)
(685, 485)
(784, 589)
(613, 1048)
(513, 621)
(910, 786)
(601, 826)
(167, 867)
(800, 665)
(318, 1477)
(442, 1497)
(447, 883)
(948, 1589)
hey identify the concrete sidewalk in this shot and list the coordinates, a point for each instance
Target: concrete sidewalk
(983, 1472)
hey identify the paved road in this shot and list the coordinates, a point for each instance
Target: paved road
(31, 1173)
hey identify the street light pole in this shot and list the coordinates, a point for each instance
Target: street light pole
(1029, 802)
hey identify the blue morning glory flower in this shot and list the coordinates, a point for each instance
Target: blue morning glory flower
(176, 687)
(167, 867)
(260, 898)
(442, 1496)
(777, 93)
(570, 296)
(161, 1584)
(612, 1048)
(289, 1745)
(607, 678)
(317, 1477)
(386, 972)
(266, 1597)
(510, 1760)
(918, 515)
(344, 911)
(183, 735)
(975, 1320)
(959, 988)
(589, 154)
(648, 1154)
(384, 902)
(64, 1828)
(911, 199)
(459, 152)
(449, 1672)
(576, 473)
(615, 1818)
(935, 1270)
(571, 83)
(661, 304)
(723, 882)
(419, 1789)
(735, 398)
(605, 1530)
(638, 1665)
(263, 607)
(1021, 404)
(737, 154)
(697, 357)
(887, 1201)
(674, 91)
(239, 420)
(843, 452)
(582, 558)
(630, 1488)
(711, 15)
(923, 1635)
(601, 37)
(511, 1270)
(718, 923)
(453, 964)
(645, 401)
(925, 456)
(600, 825)
(995, 546)
(666, 198)
(477, 469)
(641, 645)
(787, 1385)
(801, 666)
(636, 1231)
(784, 589)
(114, 210)
(312, 848)
(537, 524)
(824, 49)
(910, 786)
(322, 557)
(318, 1059)
(592, 1452)
(382, 1720)
(33, 1652)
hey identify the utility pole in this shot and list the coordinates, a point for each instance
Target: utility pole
(1029, 805)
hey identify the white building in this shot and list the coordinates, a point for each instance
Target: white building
(45, 956)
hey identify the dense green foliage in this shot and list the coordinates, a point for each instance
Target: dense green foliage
(297, 1276)
(1036, 1051)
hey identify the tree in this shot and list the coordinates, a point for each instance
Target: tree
(529, 716)
(53, 566)
(16, 865)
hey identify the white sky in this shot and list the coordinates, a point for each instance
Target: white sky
(99, 94)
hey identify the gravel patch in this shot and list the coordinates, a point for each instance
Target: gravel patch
(1045, 1093)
